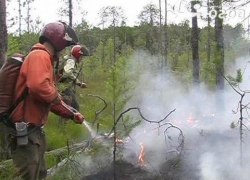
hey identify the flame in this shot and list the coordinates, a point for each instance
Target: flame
(119, 141)
(191, 119)
(141, 158)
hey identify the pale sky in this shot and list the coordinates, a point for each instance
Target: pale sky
(131, 8)
(179, 10)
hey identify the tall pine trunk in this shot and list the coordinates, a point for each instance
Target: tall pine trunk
(28, 16)
(219, 58)
(3, 32)
(19, 18)
(160, 38)
(195, 45)
(165, 35)
(219, 47)
(208, 32)
(4, 153)
(195, 56)
(70, 13)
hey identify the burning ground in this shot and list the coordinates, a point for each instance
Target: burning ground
(211, 144)
(197, 141)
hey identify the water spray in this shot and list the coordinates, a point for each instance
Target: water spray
(91, 131)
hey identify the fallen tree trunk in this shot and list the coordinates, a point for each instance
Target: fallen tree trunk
(57, 153)
(77, 149)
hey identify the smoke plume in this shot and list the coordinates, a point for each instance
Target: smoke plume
(212, 147)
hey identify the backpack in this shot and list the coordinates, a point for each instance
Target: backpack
(9, 73)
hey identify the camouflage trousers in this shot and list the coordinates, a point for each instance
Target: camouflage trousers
(69, 98)
(29, 159)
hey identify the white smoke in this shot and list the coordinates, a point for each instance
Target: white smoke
(208, 165)
(212, 147)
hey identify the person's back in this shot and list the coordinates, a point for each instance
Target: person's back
(36, 80)
(36, 76)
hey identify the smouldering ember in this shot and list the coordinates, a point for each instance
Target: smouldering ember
(119, 141)
(191, 120)
(141, 158)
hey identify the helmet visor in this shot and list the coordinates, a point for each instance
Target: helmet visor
(84, 51)
(70, 36)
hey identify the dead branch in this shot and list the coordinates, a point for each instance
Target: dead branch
(105, 104)
(238, 92)
(240, 108)
(120, 117)
(97, 113)
(140, 113)
(180, 138)
(126, 129)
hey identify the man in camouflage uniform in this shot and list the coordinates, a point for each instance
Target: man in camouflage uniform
(70, 75)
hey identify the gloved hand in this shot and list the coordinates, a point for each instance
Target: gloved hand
(78, 118)
(83, 85)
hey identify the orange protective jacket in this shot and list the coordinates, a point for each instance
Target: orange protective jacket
(37, 75)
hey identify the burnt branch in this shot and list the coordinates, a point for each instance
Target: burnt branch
(141, 115)
(105, 104)
(127, 128)
(97, 113)
(237, 91)
(240, 108)
(180, 146)
(246, 127)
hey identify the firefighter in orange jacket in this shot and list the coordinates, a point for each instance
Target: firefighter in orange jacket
(36, 80)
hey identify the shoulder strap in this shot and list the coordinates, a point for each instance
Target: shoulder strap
(5, 116)
(19, 100)
(26, 90)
